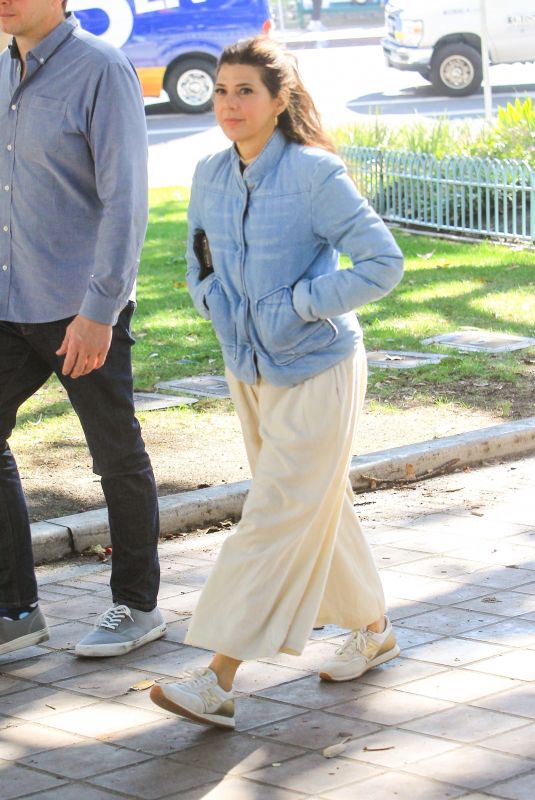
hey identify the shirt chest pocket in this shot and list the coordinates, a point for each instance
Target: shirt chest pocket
(40, 124)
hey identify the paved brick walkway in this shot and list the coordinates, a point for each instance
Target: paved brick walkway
(453, 717)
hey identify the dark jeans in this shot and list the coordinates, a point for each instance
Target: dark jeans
(104, 404)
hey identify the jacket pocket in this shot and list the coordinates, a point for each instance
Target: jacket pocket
(221, 315)
(284, 335)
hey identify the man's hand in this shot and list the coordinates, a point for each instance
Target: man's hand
(85, 346)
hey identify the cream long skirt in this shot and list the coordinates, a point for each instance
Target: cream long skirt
(298, 557)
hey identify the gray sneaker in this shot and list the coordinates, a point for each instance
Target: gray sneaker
(121, 629)
(20, 633)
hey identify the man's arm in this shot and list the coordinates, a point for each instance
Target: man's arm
(118, 140)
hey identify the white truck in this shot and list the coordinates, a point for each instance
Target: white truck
(441, 39)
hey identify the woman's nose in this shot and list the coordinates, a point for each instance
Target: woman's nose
(232, 100)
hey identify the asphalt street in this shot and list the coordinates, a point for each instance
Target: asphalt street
(349, 84)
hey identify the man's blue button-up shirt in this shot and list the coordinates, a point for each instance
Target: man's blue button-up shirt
(73, 179)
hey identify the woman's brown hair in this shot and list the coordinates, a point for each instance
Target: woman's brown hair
(300, 121)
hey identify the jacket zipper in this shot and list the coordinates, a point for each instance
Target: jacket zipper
(242, 272)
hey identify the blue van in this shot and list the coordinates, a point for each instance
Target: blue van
(174, 44)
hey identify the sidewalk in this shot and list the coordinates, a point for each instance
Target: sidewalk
(453, 717)
(184, 511)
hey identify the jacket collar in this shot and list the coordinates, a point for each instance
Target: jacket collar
(267, 159)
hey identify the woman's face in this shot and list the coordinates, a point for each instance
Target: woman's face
(244, 108)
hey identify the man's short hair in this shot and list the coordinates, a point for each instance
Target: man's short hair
(64, 4)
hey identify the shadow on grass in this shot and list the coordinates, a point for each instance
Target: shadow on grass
(447, 286)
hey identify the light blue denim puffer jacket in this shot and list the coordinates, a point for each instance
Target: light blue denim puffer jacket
(279, 305)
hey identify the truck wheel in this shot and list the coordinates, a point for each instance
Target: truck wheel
(425, 73)
(456, 70)
(190, 85)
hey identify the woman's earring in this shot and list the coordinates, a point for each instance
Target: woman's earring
(276, 121)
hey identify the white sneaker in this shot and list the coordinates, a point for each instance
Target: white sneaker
(197, 696)
(361, 651)
(315, 25)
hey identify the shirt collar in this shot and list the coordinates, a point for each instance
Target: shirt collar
(268, 158)
(47, 46)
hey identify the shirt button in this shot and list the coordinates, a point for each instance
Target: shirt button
(14, 107)
(9, 147)
(6, 188)
(5, 229)
(41, 60)
(4, 267)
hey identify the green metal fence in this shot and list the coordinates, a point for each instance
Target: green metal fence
(477, 196)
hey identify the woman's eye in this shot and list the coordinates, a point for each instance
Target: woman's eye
(218, 90)
(246, 90)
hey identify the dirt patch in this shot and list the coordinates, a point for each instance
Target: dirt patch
(195, 451)
(487, 394)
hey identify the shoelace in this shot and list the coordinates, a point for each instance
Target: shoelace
(355, 643)
(113, 617)
(201, 679)
(196, 677)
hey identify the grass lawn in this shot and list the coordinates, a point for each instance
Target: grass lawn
(447, 285)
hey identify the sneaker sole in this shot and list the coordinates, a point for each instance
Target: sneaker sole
(395, 651)
(158, 697)
(118, 648)
(25, 641)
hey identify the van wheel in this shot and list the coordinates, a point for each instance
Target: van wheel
(456, 70)
(190, 85)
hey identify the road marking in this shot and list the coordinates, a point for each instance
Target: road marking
(404, 100)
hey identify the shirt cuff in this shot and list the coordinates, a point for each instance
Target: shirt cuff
(101, 309)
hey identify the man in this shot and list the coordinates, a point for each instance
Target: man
(73, 214)
(315, 23)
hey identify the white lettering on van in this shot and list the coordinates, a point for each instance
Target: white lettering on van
(120, 16)
(146, 6)
(119, 13)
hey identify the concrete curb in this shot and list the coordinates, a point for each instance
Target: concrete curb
(73, 534)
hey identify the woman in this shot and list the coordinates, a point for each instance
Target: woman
(267, 218)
